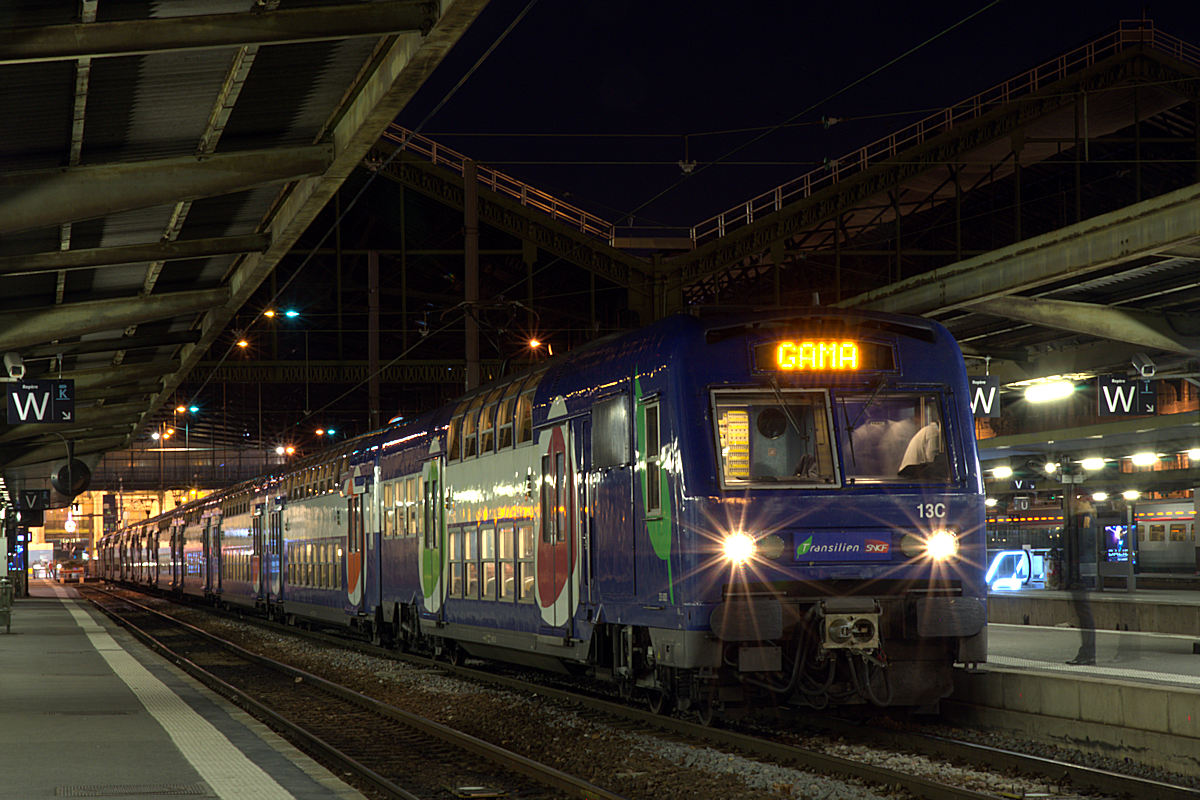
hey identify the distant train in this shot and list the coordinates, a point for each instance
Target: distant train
(712, 513)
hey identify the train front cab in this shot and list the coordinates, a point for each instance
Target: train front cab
(784, 542)
(852, 542)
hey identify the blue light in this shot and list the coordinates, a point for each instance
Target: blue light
(330, 431)
(291, 313)
(193, 409)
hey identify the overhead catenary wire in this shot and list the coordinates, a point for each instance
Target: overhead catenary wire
(312, 251)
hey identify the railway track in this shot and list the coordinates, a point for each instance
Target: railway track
(788, 741)
(394, 752)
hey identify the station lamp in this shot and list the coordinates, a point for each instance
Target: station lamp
(1092, 464)
(1099, 497)
(1194, 454)
(1131, 494)
(1002, 472)
(1049, 391)
(1144, 459)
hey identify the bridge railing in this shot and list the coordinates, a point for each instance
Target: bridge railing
(176, 468)
(499, 182)
(1129, 33)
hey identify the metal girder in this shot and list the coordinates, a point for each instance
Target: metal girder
(86, 416)
(1132, 232)
(120, 392)
(42, 198)
(1152, 429)
(1157, 331)
(528, 225)
(286, 26)
(85, 346)
(336, 372)
(55, 453)
(381, 91)
(124, 375)
(132, 254)
(34, 326)
(1094, 357)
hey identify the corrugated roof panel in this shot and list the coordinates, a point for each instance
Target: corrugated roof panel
(36, 102)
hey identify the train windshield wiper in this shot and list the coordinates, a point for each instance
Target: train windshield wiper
(850, 426)
(787, 412)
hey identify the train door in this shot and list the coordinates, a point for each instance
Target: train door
(433, 535)
(613, 553)
(355, 552)
(256, 549)
(177, 554)
(583, 505)
(557, 547)
(274, 551)
(210, 548)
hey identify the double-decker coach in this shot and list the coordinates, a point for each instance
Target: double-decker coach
(755, 509)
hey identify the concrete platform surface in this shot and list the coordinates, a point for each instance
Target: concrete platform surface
(87, 711)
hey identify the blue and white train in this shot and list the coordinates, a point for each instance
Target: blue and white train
(714, 513)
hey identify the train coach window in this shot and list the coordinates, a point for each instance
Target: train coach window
(412, 496)
(507, 563)
(456, 563)
(487, 429)
(524, 418)
(504, 416)
(471, 558)
(487, 561)
(525, 573)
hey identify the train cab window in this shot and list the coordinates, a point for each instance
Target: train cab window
(504, 416)
(525, 574)
(610, 432)
(487, 563)
(507, 562)
(653, 458)
(773, 439)
(893, 436)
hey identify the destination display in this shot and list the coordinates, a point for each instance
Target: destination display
(803, 355)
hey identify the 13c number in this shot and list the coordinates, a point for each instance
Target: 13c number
(931, 510)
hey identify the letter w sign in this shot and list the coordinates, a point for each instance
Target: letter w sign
(985, 396)
(1118, 396)
(41, 401)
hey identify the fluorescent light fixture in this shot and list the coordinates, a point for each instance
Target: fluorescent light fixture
(1050, 467)
(990, 502)
(1194, 454)
(1002, 472)
(1131, 494)
(1093, 463)
(1100, 497)
(1049, 391)
(1144, 459)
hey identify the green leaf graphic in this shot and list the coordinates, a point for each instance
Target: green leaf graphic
(803, 547)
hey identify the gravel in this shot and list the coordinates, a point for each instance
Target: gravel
(631, 763)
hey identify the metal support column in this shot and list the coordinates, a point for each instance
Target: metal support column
(471, 251)
(373, 338)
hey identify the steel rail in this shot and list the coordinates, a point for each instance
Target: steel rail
(507, 759)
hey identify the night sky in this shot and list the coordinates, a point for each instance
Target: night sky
(648, 74)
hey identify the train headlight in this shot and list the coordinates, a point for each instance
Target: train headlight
(941, 545)
(738, 547)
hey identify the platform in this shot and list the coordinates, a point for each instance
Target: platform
(87, 711)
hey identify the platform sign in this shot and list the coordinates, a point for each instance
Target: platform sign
(41, 402)
(33, 499)
(1119, 396)
(985, 396)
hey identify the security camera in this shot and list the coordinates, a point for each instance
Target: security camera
(1145, 367)
(14, 366)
